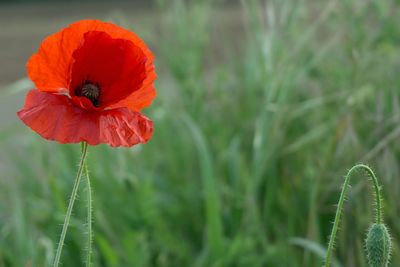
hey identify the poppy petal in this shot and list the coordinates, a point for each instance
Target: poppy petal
(117, 66)
(55, 117)
(139, 99)
(50, 67)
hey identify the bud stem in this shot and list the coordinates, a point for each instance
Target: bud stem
(339, 209)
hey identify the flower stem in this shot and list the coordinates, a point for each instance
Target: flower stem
(340, 206)
(89, 219)
(71, 205)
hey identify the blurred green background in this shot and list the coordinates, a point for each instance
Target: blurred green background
(262, 107)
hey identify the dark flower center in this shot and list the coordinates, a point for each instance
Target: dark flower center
(91, 91)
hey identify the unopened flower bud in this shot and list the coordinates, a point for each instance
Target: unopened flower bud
(378, 246)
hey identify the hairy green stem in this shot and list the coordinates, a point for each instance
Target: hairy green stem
(70, 205)
(89, 219)
(378, 218)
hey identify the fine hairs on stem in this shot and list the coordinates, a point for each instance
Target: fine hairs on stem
(89, 219)
(378, 204)
(56, 262)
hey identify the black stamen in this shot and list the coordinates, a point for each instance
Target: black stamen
(89, 90)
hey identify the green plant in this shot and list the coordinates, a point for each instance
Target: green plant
(378, 242)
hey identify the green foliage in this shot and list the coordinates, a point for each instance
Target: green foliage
(254, 125)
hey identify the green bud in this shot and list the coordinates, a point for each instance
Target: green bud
(378, 246)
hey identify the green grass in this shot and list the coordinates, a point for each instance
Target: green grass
(253, 135)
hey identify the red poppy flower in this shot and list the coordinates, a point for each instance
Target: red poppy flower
(93, 79)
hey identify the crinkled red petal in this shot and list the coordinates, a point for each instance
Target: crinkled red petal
(54, 117)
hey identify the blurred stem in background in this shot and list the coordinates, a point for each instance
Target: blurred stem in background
(71, 205)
